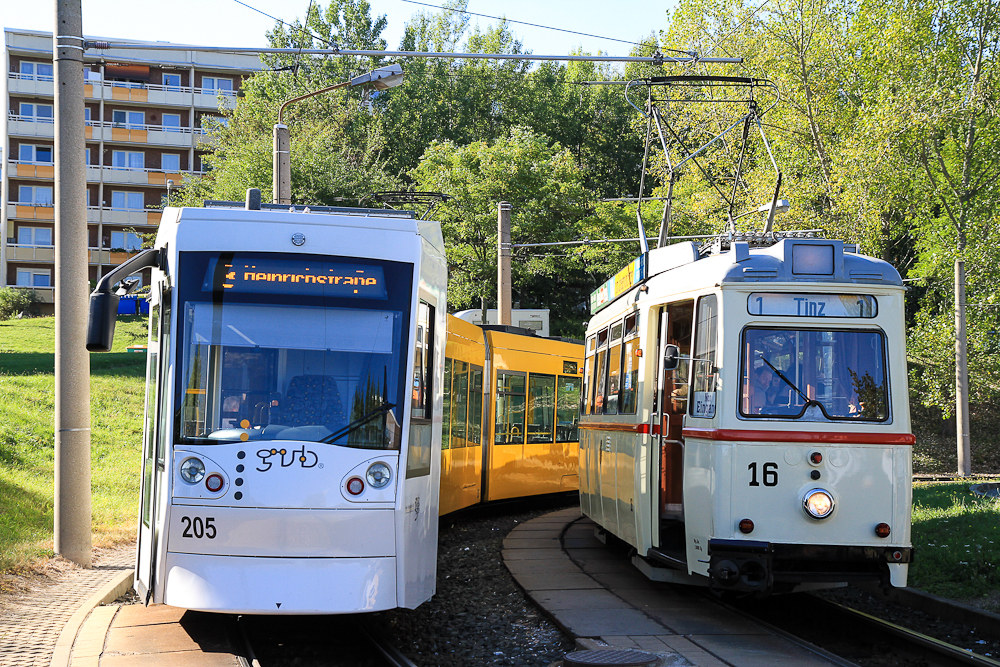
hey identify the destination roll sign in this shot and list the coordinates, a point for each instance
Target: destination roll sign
(271, 275)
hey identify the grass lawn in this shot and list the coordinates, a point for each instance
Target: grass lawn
(956, 536)
(27, 386)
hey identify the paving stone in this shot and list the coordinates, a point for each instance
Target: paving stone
(599, 622)
(754, 650)
(511, 554)
(30, 623)
(548, 582)
(584, 598)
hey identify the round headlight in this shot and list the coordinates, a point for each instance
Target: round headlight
(192, 470)
(378, 475)
(818, 503)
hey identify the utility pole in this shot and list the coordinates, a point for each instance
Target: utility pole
(503, 263)
(281, 174)
(961, 374)
(71, 531)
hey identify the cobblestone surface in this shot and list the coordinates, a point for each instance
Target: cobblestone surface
(30, 622)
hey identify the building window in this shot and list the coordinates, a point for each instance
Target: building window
(127, 201)
(34, 278)
(34, 236)
(125, 241)
(172, 81)
(129, 119)
(39, 195)
(34, 154)
(171, 120)
(128, 159)
(37, 71)
(170, 162)
(41, 113)
(86, 115)
(216, 84)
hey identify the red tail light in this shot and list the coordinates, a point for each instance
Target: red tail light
(214, 482)
(882, 530)
(355, 486)
(746, 526)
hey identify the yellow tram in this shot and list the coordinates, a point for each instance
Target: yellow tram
(511, 414)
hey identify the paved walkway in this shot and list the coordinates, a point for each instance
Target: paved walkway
(596, 595)
(32, 623)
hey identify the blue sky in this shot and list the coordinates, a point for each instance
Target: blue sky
(199, 21)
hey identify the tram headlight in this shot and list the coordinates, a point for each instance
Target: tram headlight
(192, 470)
(378, 475)
(818, 503)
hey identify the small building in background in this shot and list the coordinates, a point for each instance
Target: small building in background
(535, 319)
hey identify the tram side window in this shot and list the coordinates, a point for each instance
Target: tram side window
(586, 396)
(704, 380)
(614, 371)
(475, 431)
(541, 408)
(630, 367)
(600, 377)
(510, 408)
(446, 417)
(459, 403)
(567, 408)
(418, 452)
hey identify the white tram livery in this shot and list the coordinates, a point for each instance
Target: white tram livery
(745, 415)
(290, 460)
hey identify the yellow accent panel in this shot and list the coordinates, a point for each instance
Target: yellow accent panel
(528, 470)
(161, 178)
(88, 90)
(460, 476)
(35, 212)
(153, 217)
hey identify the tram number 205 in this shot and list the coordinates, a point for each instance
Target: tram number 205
(768, 473)
(198, 528)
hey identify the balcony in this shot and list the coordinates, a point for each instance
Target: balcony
(135, 175)
(31, 211)
(37, 170)
(31, 253)
(109, 256)
(97, 130)
(124, 217)
(29, 85)
(30, 126)
(157, 94)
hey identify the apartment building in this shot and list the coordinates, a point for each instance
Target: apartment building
(146, 111)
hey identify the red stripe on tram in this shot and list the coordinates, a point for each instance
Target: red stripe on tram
(741, 435)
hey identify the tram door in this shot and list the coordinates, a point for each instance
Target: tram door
(153, 503)
(669, 410)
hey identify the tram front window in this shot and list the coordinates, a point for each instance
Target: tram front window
(814, 375)
(298, 363)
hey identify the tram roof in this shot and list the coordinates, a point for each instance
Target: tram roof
(807, 260)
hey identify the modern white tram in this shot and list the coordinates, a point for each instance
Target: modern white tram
(745, 415)
(289, 464)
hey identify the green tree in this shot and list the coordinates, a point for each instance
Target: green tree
(550, 203)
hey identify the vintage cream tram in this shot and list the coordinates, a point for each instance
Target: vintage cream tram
(292, 443)
(745, 416)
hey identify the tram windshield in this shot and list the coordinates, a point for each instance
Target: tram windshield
(292, 347)
(814, 375)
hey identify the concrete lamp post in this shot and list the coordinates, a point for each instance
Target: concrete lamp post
(379, 79)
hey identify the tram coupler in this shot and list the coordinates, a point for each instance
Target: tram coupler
(740, 565)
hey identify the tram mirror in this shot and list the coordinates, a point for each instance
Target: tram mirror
(101, 324)
(671, 357)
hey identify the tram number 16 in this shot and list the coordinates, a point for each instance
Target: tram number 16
(198, 528)
(769, 474)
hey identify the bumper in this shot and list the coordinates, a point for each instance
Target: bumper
(752, 566)
(253, 585)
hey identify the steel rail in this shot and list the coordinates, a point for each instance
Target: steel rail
(392, 655)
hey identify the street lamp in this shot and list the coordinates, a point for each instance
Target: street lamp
(281, 183)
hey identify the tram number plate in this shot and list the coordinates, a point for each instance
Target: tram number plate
(198, 527)
(768, 473)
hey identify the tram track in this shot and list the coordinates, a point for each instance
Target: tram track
(314, 640)
(860, 637)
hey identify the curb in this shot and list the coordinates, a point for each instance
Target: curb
(113, 590)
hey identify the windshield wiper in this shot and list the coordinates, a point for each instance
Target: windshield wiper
(808, 401)
(361, 421)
